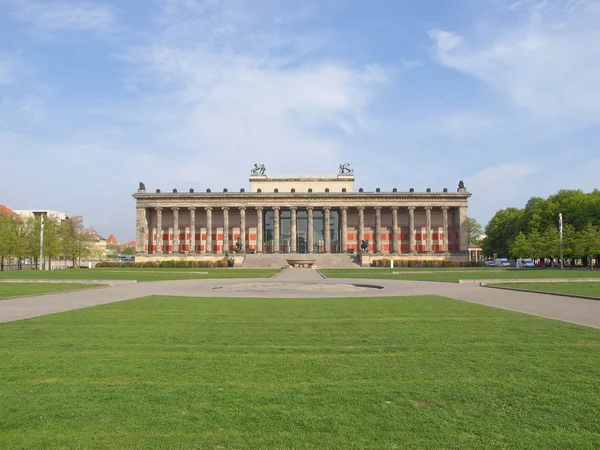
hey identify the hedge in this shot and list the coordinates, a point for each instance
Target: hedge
(225, 262)
(420, 263)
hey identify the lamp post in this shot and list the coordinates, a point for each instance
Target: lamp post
(42, 241)
(560, 228)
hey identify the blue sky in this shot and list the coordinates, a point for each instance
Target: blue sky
(96, 96)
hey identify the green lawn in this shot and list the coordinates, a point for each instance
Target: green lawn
(455, 274)
(16, 289)
(382, 373)
(587, 289)
(119, 273)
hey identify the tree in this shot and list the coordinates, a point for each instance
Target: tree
(11, 242)
(130, 251)
(75, 239)
(522, 246)
(501, 231)
(112, 250)
(589, 242)
(549, 244)
(475, 231)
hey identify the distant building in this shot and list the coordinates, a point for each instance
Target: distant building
(6, 211)
(129, 244)
(24, 213)
(98, 245)
(302, 215)
(112, 240)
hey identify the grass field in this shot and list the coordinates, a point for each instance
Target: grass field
(16, 289)
(119, 273)
(587, 289)
(407, 372)
(455, 274)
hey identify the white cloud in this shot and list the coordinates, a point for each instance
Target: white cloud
(499, 187)
(548, 66)
(237, 101)
(60, 15)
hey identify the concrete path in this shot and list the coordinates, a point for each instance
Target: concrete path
(580, 311)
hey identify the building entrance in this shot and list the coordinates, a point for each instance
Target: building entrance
(302, 232)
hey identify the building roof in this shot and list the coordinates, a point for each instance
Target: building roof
(96, 237)
(112, 239)
(129, 244)
(6, 211)
(60, 215)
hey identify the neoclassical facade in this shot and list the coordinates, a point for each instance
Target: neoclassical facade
(301, 215)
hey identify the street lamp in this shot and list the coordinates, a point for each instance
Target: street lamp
(42, 241)
(560, 228)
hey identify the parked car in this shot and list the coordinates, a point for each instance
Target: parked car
(490, 263)
(502, 262)
(527, 262)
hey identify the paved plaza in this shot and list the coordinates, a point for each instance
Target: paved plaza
(307, 283)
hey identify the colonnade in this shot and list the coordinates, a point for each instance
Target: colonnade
(146, 239)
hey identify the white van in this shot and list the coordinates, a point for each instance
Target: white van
(502, 262)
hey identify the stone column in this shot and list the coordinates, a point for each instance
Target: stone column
(208, 244)
(311, 237)
(276, 230)
(192, 241)
(428, 229)
(361, 225)
(411, 229)
(293, 230)
(141, 231)
(327, 226)
(377, 234)
(395, 246)
(159, 237)
(243, 227)
(259, 229)
(463, 228)
(225, 229)
(445, 229)
(175, 248)
(344, 231)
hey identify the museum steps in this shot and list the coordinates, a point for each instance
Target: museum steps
(279, 260)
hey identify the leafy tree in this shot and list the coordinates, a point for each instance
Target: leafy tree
(475, 231)
(549, 244)
(75, 239)
(522, 246)
(501, 231)
(589, 241)
(112, 249)
(130, 251)
(11, 243)
(535, 215)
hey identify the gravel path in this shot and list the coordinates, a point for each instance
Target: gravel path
(296, 283)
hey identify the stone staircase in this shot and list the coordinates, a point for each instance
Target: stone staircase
(279, 260)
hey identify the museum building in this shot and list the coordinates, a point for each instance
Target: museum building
(301, 215)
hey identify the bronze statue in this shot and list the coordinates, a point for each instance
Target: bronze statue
(364, 246)
(142, 187)
(461, 184)
(259, 169)
(239, 248)
(344, 169)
